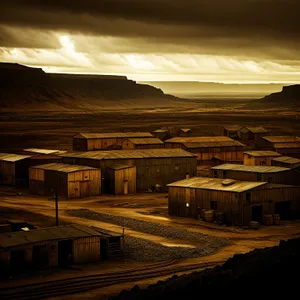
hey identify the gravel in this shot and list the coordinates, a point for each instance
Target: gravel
(146, 250)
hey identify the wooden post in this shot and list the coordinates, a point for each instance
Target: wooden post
(56, 207)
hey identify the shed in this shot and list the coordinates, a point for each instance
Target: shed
(286, 162)
(162, 134)
(50, 247)
(231, 130)
(71, 181)
(153, 166)
(251, 134)
(210, 147)
(239, 201)
(259, 158)
(268, 142)
(269, 174)
(184, 132)
(288, 149)
(13, 168)
(120, 179)
(142, 143)
(101, 141)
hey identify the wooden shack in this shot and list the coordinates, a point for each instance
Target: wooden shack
(286, 162)
(104, 141)
(142, 143)
(13, 169)
(210, 148)
(70, 181)
(231, 131)
(239, 201)
(288, 149)
(162, 134)
(120, 179)
(268, 142)
(153, 166)
(250, 135)
(259, 158)
(269, 174)
(51, 247)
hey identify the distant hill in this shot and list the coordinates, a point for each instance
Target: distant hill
(23, 87)
(196, 89)
(287, 98)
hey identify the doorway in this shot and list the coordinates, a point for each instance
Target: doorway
(257, 213)
(125, 187)
(104, 249)
(40, 257)
(283, 208)
(17, 261)
(65, 251)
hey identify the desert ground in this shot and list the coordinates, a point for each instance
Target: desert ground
(151, 236)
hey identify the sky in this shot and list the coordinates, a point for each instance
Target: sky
(241, 41)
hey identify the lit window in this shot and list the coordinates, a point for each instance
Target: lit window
(187, 205)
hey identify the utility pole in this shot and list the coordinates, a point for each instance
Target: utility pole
(55, 196)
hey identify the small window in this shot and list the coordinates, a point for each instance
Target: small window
(213, 205)
(176, 167)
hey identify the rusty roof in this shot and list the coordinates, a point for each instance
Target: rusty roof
(281, 139)
(9, 157)
(113, 135)
(254, 129)
(288, 160)
(199, 139)
(145, 141)
(65, 168)
(255, 169)
(216, 184)
(262, 153)
(213, 144)
(120, 167)
(286, 145)
(73, 231)
(129, 154)
(43, 151)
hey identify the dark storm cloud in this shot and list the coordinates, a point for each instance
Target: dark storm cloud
(191, 18)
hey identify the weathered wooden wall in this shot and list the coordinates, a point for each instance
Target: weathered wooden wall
(80, 144)
(129, 175)
(86, 249)
(257, 161)
(7, 173)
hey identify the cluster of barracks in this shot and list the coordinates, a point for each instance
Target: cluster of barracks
(248, 173)
(264, 170)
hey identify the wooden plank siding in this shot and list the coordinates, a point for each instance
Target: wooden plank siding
(86, 249)
(119, 177)
(237, 208)
(149, 171)
(7, 173)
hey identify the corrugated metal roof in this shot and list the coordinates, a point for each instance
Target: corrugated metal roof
(255, 169)
(12, 157)
(43, 151)
(232, 127)
(286, 145)
(213, 144)
(216, 184)
(63, 167)
(113, 135)
(120, 167)
(281, 139)
(199, 139)
(254, 129)
(262, 153)
(44, 234)
(287, 159)
(129, 154)
(145, 141)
